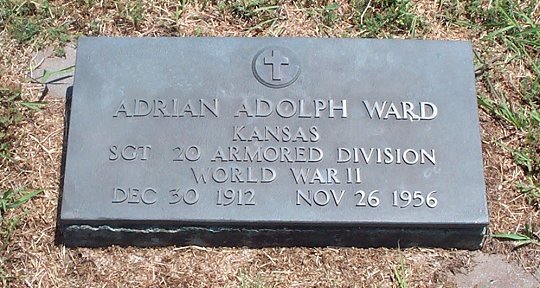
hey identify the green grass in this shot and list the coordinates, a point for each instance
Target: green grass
(10, 115)
(330, 14)
(509, 24)
(24, 29)
(400, 271)
(386, 18)
(181, 6)
(10, 200)
(324, 13)
(50, 76)
(32, 23)
(258, 14)
(132, 12)
(247, 281)
(520, 239)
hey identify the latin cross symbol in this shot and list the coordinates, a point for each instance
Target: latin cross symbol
(276, 61)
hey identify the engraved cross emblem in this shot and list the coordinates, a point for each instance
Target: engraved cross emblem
(276, 61)
(267, 66)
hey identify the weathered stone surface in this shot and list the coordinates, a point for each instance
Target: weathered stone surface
(273, 141)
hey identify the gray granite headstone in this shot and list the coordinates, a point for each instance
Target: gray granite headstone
(273, 141)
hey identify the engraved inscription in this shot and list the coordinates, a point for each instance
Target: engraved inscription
(277, 144)
(319, 197)
(190, 153)
(167, 108)
(403, 111)
(386, 155)
(404, 198)
(326, 176)
(268, 154)
(270, 148)
(178, 195)
(129, 152)
(255, 141)
(275, 133)
(372, 200)
(234, 175)
(134, 195)
(226, 197)
(288, 108)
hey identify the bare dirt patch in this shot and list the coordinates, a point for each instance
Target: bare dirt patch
(492, 270)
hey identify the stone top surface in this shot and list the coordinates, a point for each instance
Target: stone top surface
(274, 131)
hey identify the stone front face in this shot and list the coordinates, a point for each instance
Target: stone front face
(273, 141)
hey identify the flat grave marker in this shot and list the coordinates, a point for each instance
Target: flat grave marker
(273, 141)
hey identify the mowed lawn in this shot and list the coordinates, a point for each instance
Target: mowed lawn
(506, 42)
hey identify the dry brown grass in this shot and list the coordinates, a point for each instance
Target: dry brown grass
(34, 261)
